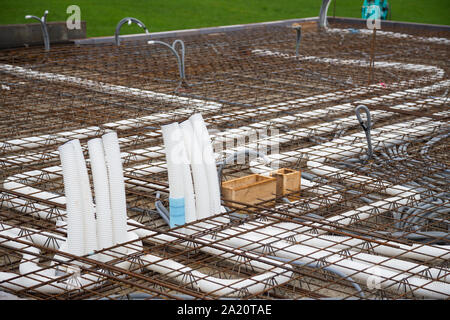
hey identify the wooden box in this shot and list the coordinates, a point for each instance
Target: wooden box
(249, 189)
(288, 181)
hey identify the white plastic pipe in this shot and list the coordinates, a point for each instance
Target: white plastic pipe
(354, 179)
(179, 175)
(217, 286)
(33, 276)
(189, 196)
(395, 35)
(171, 137)
(413, 251)
(102, 195)
(269, 235)
(87, 205)
(116, 187)
(209, 162)
(75, 221)
(389, 278)
(436, 73)
(47, 280)
(198, 170)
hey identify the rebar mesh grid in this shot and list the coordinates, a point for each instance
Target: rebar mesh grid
(383, 221)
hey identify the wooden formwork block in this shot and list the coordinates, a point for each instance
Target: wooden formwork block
(249, 189)
(288, 181)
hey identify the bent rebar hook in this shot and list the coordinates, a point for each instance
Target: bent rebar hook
(43, 22)
(367, 126)
(128, 20)
(180, 60)
(298, 29)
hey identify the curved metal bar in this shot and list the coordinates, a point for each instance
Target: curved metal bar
(183, 50)
(128, 20)
(180, 61)
(367, 126)
(323, 14)
(43, 22)
(162, 211)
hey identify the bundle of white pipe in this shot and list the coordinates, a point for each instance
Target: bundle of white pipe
(188, 147)
(86, 233)
(82, 226)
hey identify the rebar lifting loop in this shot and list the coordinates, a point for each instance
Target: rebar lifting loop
(43, 22)
(367, 126)
(180, 60)
(128, 20)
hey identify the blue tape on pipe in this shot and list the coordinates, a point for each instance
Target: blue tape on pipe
(177, 215)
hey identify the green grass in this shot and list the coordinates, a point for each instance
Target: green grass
(163, 15)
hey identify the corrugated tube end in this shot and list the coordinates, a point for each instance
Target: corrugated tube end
(177, 212)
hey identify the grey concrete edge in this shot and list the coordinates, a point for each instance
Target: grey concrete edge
(393, 24)
(191, 32)
(237, 27)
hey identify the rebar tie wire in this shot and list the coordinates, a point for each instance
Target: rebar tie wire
(367, 126)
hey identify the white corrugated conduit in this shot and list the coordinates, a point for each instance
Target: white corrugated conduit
(81, 226)
(208, 162)
(116, 187)
(420, 131)
(102, 195)
(198, 171)
(433, 289)
(75, 203)
(104, 165)
(33, 276)
(176, 158)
